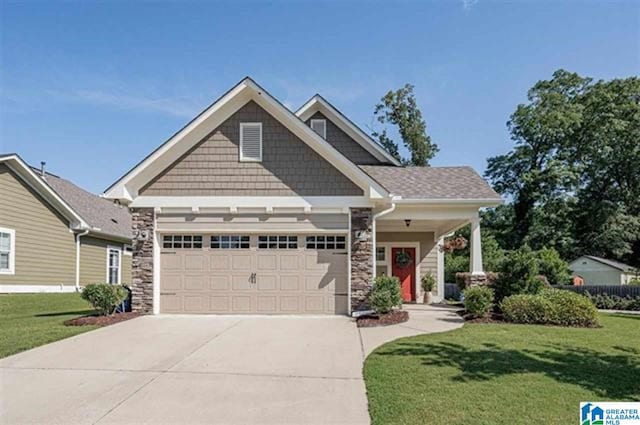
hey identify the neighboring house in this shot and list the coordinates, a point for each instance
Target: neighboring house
(600, 271)
(55, 236)
(252, 208)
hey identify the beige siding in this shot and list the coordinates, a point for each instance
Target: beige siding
(345, 144)
(428, 251)
(289, 167)
(253, 223)
(93, 261)
(45, 247)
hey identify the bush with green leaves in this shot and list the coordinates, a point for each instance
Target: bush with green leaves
(553, 267)
(519, 274)
(478, 300)
(104, 297)
(634, 281)
(550, 307)
(385, 294)
(614, 302)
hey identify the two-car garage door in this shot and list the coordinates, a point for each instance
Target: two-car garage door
(253, 273)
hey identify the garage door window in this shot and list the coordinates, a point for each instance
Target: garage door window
(326, 242)
(277, 242)
(230, 242)
(182, 242)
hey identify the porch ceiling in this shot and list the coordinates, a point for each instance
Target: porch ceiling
(437, 219)
(439, 227)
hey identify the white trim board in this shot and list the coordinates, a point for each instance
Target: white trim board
(32, 289)
(127, 187)
(318, 104)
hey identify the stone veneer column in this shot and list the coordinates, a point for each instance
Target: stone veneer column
(142, 224)
(361, 257)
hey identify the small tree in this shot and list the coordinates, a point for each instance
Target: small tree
(554, 268)
(385, 294)
(519, 274)
(104, 297)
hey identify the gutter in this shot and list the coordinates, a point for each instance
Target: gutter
(78, 236)
(373, 238)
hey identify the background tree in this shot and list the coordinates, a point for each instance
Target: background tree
(573, 176)
(400, 108)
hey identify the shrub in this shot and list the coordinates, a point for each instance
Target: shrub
(634, 281)
(478, 300)
(519, 274)
(550, 307)
(614, 302)
(104, 297)
(553, 267)
(428, 282)
(385, 294)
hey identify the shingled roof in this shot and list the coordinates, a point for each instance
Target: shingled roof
(101, 214)
(431, 183)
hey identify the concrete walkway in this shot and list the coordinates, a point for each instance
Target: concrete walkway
(203, 369)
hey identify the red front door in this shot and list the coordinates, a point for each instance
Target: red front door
(403, 266)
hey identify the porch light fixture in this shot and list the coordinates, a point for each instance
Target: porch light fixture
(407, 222)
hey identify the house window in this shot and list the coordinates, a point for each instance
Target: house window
(326, 242)
(7, 251)
(381, 254)
(113, 265)
(230, 242)
(320, 127)
(251, 141)
(182, 241)
(277, 242)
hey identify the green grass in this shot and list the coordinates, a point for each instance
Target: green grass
(504, 374)
(30, 320)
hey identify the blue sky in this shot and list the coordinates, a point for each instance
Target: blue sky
(91, 88)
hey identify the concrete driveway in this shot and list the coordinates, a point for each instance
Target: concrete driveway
(200, 369)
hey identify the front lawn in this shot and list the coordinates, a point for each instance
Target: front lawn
(30, 320)
(504, 374)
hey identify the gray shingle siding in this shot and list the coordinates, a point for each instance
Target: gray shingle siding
(289, 166)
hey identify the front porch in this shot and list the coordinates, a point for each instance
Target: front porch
(405, 241)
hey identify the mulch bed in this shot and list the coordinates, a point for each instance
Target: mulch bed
(101, 320)
(392, 318)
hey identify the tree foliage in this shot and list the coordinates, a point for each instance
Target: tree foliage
(400, 108)
(573, 176)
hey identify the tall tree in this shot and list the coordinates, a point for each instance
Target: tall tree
(400, 108)
(572, 177)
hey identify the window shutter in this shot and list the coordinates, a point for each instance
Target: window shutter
(320, 127)
(251, 141)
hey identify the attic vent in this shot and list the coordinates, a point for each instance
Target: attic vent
(251, 141)
(320, 127)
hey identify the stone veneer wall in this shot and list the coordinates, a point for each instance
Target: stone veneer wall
(142, 260)
(361, 257)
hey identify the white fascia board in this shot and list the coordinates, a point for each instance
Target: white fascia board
(126, 188)
(316, 142)
(276, 203)
(416, 212)
(215, 115)
(479, 202)
(18, 166)
(317, 103)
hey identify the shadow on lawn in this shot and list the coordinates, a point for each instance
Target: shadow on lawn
(67, 313)
(612, 376)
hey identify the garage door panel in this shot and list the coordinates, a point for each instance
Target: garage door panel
(267, 304)
(290, 283)
(219, 283)
(241, 304)
(220, 304)
(267, 283)
(287, 280)
(268, 262)
(240, 283)
(219, 262)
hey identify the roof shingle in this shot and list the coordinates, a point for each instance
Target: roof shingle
(432, 182)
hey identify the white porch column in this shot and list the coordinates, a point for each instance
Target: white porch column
(476, 247)
(440, 274)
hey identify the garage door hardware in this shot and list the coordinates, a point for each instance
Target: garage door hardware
(252, 278)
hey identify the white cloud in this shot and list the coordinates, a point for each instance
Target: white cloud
(469, 4)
